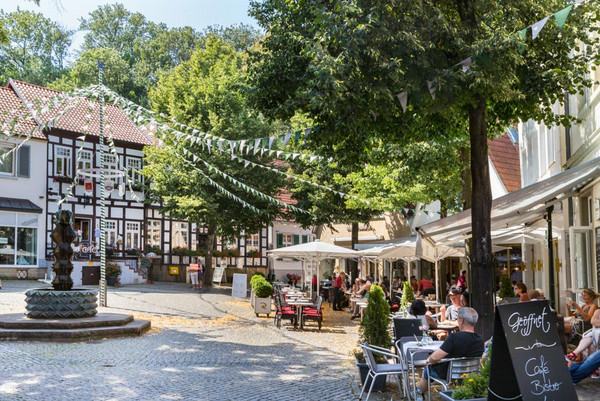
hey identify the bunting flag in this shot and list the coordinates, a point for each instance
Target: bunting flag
(271, 140)
(403, 99)
(432, 85)
(537, 27)
(466, 64)
(523, 33)
(286, 139)
(561, 16)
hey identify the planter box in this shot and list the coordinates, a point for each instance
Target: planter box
(112, 280)
(447, 396)
(262, 305)
(363, 370)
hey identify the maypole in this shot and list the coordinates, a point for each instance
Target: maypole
(102, 194)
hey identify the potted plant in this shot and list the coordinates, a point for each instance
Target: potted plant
(374, 330)
(62, 179)
(256, 276)
(113, 271)
(253, 253)
(153, 249)
(263, 291)
(507, 291)
(179, 250)
(233, 252)
(133, 252)
(473, 387)
(408, 296)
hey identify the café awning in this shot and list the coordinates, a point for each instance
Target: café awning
(19, 205)
(516, 208)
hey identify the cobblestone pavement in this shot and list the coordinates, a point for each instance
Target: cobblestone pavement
(203, 346)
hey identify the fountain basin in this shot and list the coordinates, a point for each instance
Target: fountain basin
(47, 303)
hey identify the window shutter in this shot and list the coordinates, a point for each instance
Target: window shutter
(23, 161)
(304, 239)
(296, 239)
(279, 240)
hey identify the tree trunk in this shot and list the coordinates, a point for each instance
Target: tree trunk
(210, 243)
(353, 264)
(482, 275)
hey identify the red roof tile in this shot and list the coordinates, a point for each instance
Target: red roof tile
(11, 107)
(505, 158)
(117, 124)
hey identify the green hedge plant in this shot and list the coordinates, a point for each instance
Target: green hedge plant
(376, 319)
(263, 289)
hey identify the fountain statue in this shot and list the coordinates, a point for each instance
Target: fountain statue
(62, 301)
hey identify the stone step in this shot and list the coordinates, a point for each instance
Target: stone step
(21, 322)
(132, 328)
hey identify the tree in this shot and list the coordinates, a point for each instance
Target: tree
(343, 61)
(208, 92)
(35, 47)
(85, 72)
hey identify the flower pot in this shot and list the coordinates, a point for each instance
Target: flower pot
(447, 396)
(112, 280)
(262, 305)
(363, 370)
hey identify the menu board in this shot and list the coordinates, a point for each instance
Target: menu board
(528, 362)
(218, 274)
(240, 287)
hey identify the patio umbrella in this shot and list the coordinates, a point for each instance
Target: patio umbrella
(315, 251)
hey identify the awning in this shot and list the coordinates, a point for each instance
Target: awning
(516, 208)
(365, 238)
(19, 205)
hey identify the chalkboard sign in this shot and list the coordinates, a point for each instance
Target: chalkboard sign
(218, 274)
(528, 362)
(240, 285)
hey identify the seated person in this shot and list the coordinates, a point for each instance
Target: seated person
(588, 342)
(449, 315)
(425, 284)
(521, 292)
(465, 343)
(419, 310)
(363, 292)
(580, 371)
(396, 283)
(582, 313)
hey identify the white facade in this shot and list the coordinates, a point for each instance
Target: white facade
(28, 229)
(286, 233)
(546, 151)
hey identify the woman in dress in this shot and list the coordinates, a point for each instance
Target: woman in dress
(582, 313)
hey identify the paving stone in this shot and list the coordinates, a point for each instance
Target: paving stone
(202, 346)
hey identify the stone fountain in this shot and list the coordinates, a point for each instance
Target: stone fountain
(62, 313)
(62, 301)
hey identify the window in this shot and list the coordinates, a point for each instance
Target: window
(18, 239)
(7, 159)
(253, 241)
(111, 232)
(153, 232)
(62, 161)
(134, 166)
(132, 235)
(84, 158)
(180, 234)
(288, 240)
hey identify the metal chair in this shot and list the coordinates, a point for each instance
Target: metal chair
(410, 360)
(313, 313)
(281, 313)
(458, 368)
(380, 369)
(406, 327)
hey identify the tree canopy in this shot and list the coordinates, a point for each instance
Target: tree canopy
(343, 63)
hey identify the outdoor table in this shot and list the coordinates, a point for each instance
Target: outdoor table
(448, 327)
(409, 350)
(300, 304)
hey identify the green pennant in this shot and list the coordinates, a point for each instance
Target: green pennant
(264, 142)
(561, 16)
(297, 136)
(523, 33)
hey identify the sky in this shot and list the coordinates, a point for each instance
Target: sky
(175, 13)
